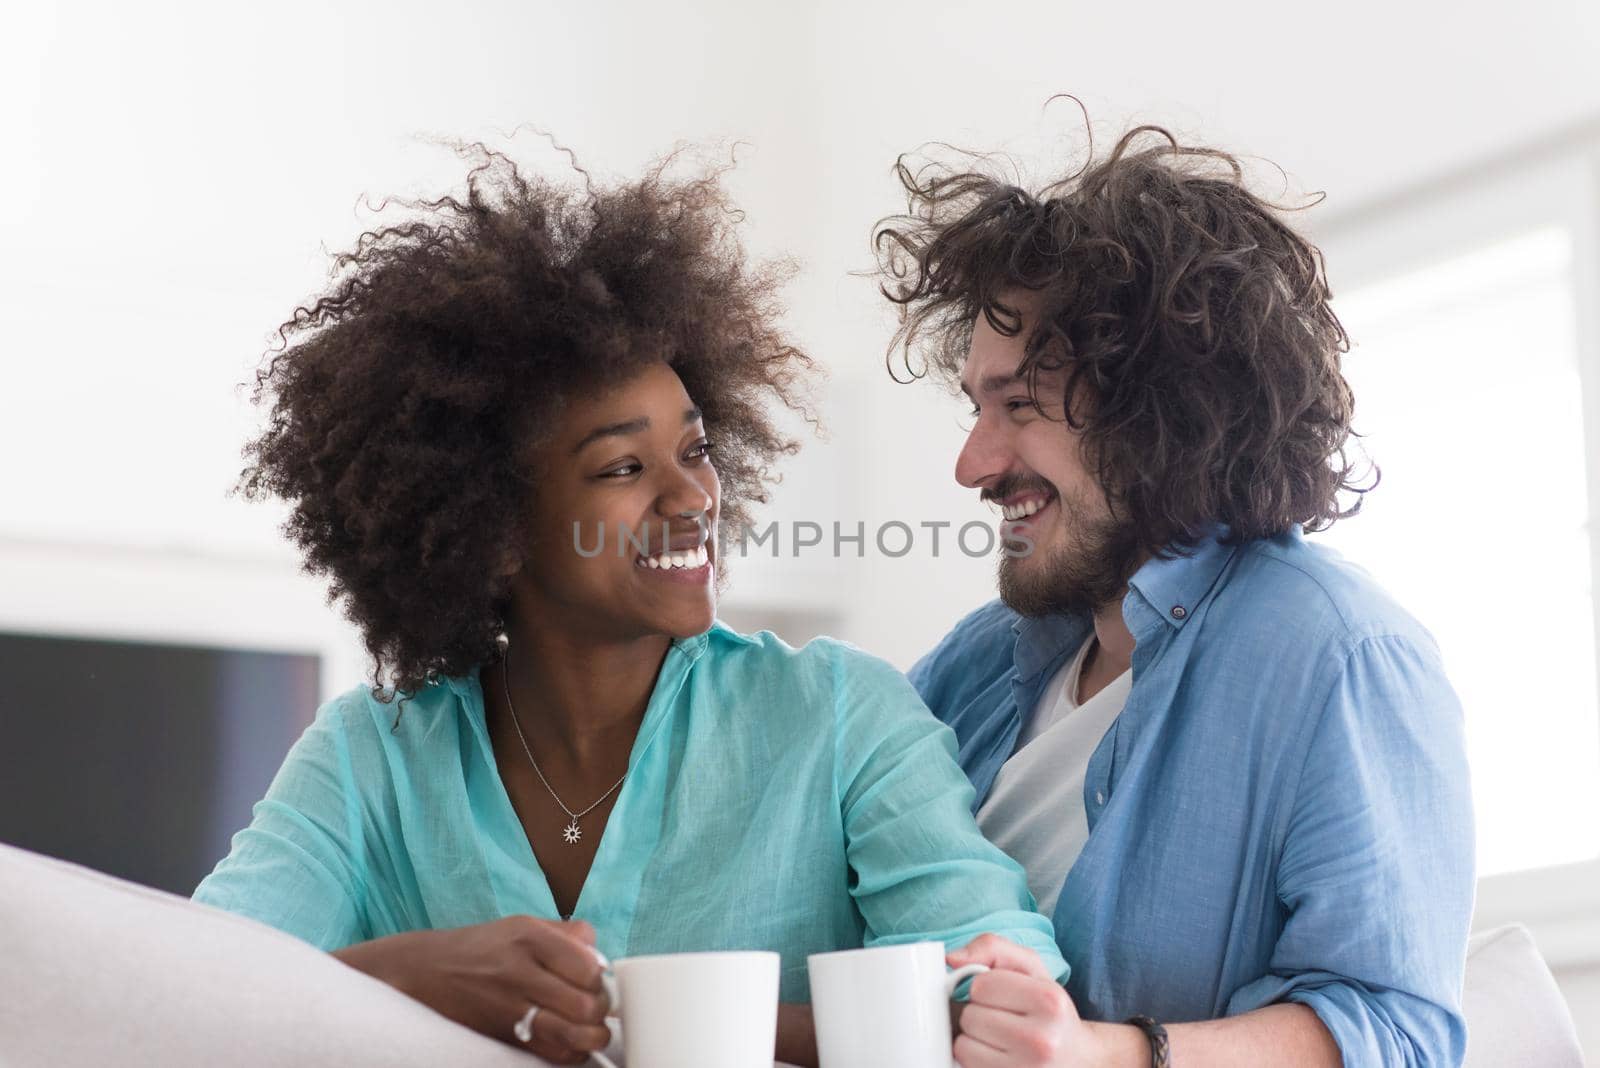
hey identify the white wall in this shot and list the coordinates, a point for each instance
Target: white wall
(175, 173)
(1582, 990)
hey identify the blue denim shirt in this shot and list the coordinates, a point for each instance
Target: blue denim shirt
(1280, 813)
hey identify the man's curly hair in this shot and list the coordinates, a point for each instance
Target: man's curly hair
(404, 399)
(1194, 326)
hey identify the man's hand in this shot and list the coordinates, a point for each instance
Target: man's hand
(1019, 1017)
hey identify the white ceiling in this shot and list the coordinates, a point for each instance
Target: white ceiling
(1357, 98)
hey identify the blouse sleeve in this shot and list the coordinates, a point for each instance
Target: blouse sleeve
(296, 866)
(921, 869)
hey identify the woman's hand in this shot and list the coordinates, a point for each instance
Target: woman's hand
(1018, 1016)
(487, 975)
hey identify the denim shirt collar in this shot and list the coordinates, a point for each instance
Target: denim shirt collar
(1169, 588)
(1174, 586)
(1043, 640)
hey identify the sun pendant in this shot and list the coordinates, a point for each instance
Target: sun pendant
(572, 833)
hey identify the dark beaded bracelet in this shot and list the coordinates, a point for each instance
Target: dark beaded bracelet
(1160, 1054)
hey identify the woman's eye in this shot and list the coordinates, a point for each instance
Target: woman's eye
(701, 450)
(621, 471)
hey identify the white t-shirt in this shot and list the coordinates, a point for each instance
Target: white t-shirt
(1035, 809)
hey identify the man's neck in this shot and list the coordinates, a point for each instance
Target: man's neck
(1112, 653)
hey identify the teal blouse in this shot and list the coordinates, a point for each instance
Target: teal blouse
(797, 800)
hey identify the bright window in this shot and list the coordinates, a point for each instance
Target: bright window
(1467, 390)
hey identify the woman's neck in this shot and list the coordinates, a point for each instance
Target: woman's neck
(577, 697)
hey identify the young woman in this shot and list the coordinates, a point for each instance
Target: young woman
(510, 432)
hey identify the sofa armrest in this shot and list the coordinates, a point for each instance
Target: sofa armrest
(99, 971)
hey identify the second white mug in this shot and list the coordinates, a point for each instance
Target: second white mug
(884, 1007)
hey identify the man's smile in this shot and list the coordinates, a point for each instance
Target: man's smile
(1021, 513)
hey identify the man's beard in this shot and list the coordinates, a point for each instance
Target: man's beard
(1086, 573)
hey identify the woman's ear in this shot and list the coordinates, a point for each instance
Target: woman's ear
(511, 562)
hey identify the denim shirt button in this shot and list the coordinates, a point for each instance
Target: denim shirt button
(1178, 611)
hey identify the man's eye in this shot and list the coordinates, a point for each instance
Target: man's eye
(975, 412)
(1016, 405)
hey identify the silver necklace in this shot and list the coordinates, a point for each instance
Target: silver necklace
(573, 832)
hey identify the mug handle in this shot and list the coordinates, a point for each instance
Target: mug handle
(966, 971)
(613, 995)
(954, 979)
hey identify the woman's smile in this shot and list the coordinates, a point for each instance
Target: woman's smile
(691, 565)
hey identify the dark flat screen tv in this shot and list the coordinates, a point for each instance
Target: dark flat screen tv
(140, 759)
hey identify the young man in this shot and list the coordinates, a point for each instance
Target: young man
(1231, 765)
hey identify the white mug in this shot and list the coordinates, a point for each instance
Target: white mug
(885, 1007)
(695, 1010)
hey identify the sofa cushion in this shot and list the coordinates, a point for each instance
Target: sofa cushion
(1515, 1012)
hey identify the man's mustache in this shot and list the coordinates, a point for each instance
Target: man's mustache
(1011, 485)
